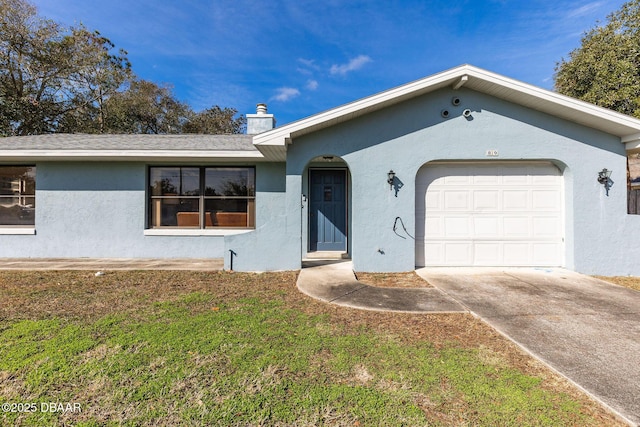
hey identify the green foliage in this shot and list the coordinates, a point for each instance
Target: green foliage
(253, 361)
(215, 120)
(145, 108)
(48, 72)
(605, 69)
(56, 79)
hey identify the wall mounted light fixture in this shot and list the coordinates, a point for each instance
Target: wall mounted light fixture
(390, 177)
(604, 175)
(604, 178)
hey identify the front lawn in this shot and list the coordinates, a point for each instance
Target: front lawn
(194, 348)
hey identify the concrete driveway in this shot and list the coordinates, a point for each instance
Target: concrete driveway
(586, 329)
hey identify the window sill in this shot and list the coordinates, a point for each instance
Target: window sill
(17, 231)
(195, 231)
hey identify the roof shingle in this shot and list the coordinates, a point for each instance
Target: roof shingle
(190, 142)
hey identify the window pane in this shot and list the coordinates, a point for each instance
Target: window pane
(17, 210)
(231, 212)
(175, 212)
(174, 181)
(229, 182)
(17, 191)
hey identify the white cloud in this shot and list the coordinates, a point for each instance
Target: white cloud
(355, 64)
(584, 9)
(312, 84)
(307, 66)
(309, 63)
(286, 93)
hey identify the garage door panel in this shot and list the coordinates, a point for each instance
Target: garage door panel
(433, 227)
(457, 253)
(433, 200)
(434, 251)
(516, 226)
(545, 253)
(542, 178)
(546, 226)
(486, 226)
(490, 214)
(486, 179)
(545, 199)
(485, 254)
(515, 200)
(457, 200)
(486, 200)
(513, 179)
(455, 180)
(457, 226)
(516, 254)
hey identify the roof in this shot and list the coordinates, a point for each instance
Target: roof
(273, 142)
(127, 147)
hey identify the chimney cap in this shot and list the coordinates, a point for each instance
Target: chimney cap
(261, 108)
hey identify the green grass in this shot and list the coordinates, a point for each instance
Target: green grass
(202, 358)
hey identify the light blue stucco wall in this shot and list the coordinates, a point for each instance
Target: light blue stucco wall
(275, 243)
(598, 231)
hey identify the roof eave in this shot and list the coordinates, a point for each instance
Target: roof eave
(130, 155)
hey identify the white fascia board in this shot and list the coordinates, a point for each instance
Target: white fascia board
(129, 155)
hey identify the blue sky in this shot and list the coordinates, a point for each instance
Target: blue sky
(306, 56)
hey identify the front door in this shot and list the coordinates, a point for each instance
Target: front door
(328, 210)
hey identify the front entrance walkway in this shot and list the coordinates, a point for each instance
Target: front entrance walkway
(584, 328)
(336, 283)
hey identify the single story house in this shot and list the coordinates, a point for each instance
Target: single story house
(462, 168)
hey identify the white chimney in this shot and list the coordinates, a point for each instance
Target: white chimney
(261, 121)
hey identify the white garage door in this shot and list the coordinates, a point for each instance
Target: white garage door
(489, 214)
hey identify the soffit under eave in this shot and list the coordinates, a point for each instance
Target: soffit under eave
(273, 153)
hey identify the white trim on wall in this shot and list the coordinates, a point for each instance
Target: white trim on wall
(195, 232)
(17, 231)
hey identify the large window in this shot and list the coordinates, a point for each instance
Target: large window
(17, 195)
(202, 197)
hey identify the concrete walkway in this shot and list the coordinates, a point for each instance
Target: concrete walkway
(98, 264)
(585, 329)
(336, 283)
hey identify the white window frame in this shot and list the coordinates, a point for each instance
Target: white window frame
(19, 229)
(202, 229)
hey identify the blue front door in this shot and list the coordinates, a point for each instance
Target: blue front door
(328, 210)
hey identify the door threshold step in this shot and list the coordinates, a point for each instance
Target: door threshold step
(329, 255)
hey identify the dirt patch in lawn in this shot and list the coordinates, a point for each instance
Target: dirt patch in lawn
(631, 282)
(82, 295)
(393, 280)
